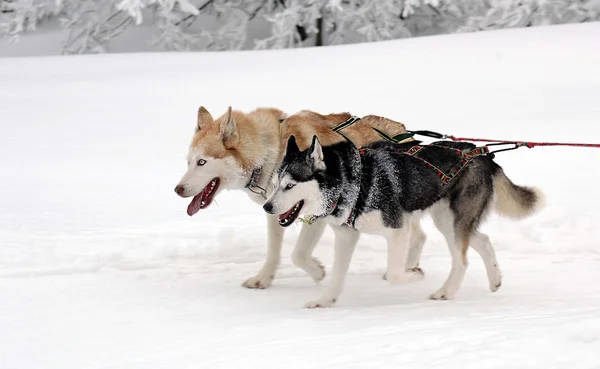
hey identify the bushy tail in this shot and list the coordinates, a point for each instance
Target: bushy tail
(514, 201)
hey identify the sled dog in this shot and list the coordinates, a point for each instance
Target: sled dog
(240, 151)
(384, 187)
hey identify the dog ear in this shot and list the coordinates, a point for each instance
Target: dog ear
(204, 118)
(292, 146)
(315, 152)
(229, 130)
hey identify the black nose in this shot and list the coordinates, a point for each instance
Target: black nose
(179, 190)
(268, 207)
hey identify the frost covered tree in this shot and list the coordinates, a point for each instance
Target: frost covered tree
(525, 13)
(231, 24)
(94, 23)
(18, 16)
(321, 22)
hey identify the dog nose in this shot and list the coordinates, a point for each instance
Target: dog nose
(179, 189)
(268, 207)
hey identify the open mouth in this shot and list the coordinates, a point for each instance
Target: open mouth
(289, 216)
(204, 198)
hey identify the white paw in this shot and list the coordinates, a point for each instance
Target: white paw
(441, 294)
(261, 281)
(413, 275)
(317, 271)
(495, 279)
(495, 284)
(312, 266)
(320, 303)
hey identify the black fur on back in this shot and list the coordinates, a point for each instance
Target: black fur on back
(394, 182)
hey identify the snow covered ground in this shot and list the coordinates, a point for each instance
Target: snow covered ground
(100, 267)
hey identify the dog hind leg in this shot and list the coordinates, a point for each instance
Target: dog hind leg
(443, 219)
(302, 255)
(482, 244)
(344, 245)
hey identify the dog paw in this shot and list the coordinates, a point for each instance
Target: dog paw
(495, 287)
(260, 281)
(413, 275)
(315, 269)
(496, 281)
(321, 303)
(320, 273)
(441, 294)
(312, 266)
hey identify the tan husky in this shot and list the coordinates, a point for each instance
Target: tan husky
(240, 151)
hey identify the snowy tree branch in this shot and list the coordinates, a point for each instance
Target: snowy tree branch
(193, 16)
(93, 24)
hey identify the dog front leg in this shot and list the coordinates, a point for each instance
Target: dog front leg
(345, 243)
(274, 239)
(398, 270)
(417, 240)
(302, 255)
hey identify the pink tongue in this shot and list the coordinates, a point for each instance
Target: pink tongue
(286, 214)
(194, 205)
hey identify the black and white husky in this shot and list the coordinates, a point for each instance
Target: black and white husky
(381, 190)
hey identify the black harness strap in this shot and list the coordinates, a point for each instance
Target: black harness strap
(345, 124)
(389, 138)
(403, 137)
(351, 218)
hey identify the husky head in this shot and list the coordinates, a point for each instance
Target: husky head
(302, 184)
(212, 159)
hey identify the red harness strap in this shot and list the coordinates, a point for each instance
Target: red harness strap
(467, 156)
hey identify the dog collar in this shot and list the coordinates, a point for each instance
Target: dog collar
(253, 183)
(329, 211)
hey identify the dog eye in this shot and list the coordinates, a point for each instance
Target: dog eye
(201, 162)
(289, 186)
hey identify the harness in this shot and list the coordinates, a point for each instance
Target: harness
(445, 176)
(415, 151)
(253, 184)
(345, 124)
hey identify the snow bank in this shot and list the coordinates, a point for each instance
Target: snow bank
(92, 235)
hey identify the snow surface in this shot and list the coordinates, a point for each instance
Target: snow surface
(100, 267)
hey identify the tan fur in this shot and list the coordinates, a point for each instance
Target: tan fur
(260, 131)
(256, 133)
(305, 124)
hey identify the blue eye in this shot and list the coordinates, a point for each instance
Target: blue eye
(289, 186)
(201, 162)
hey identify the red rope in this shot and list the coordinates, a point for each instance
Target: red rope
(528, 144)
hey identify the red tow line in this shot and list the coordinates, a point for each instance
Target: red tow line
(523, 143)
